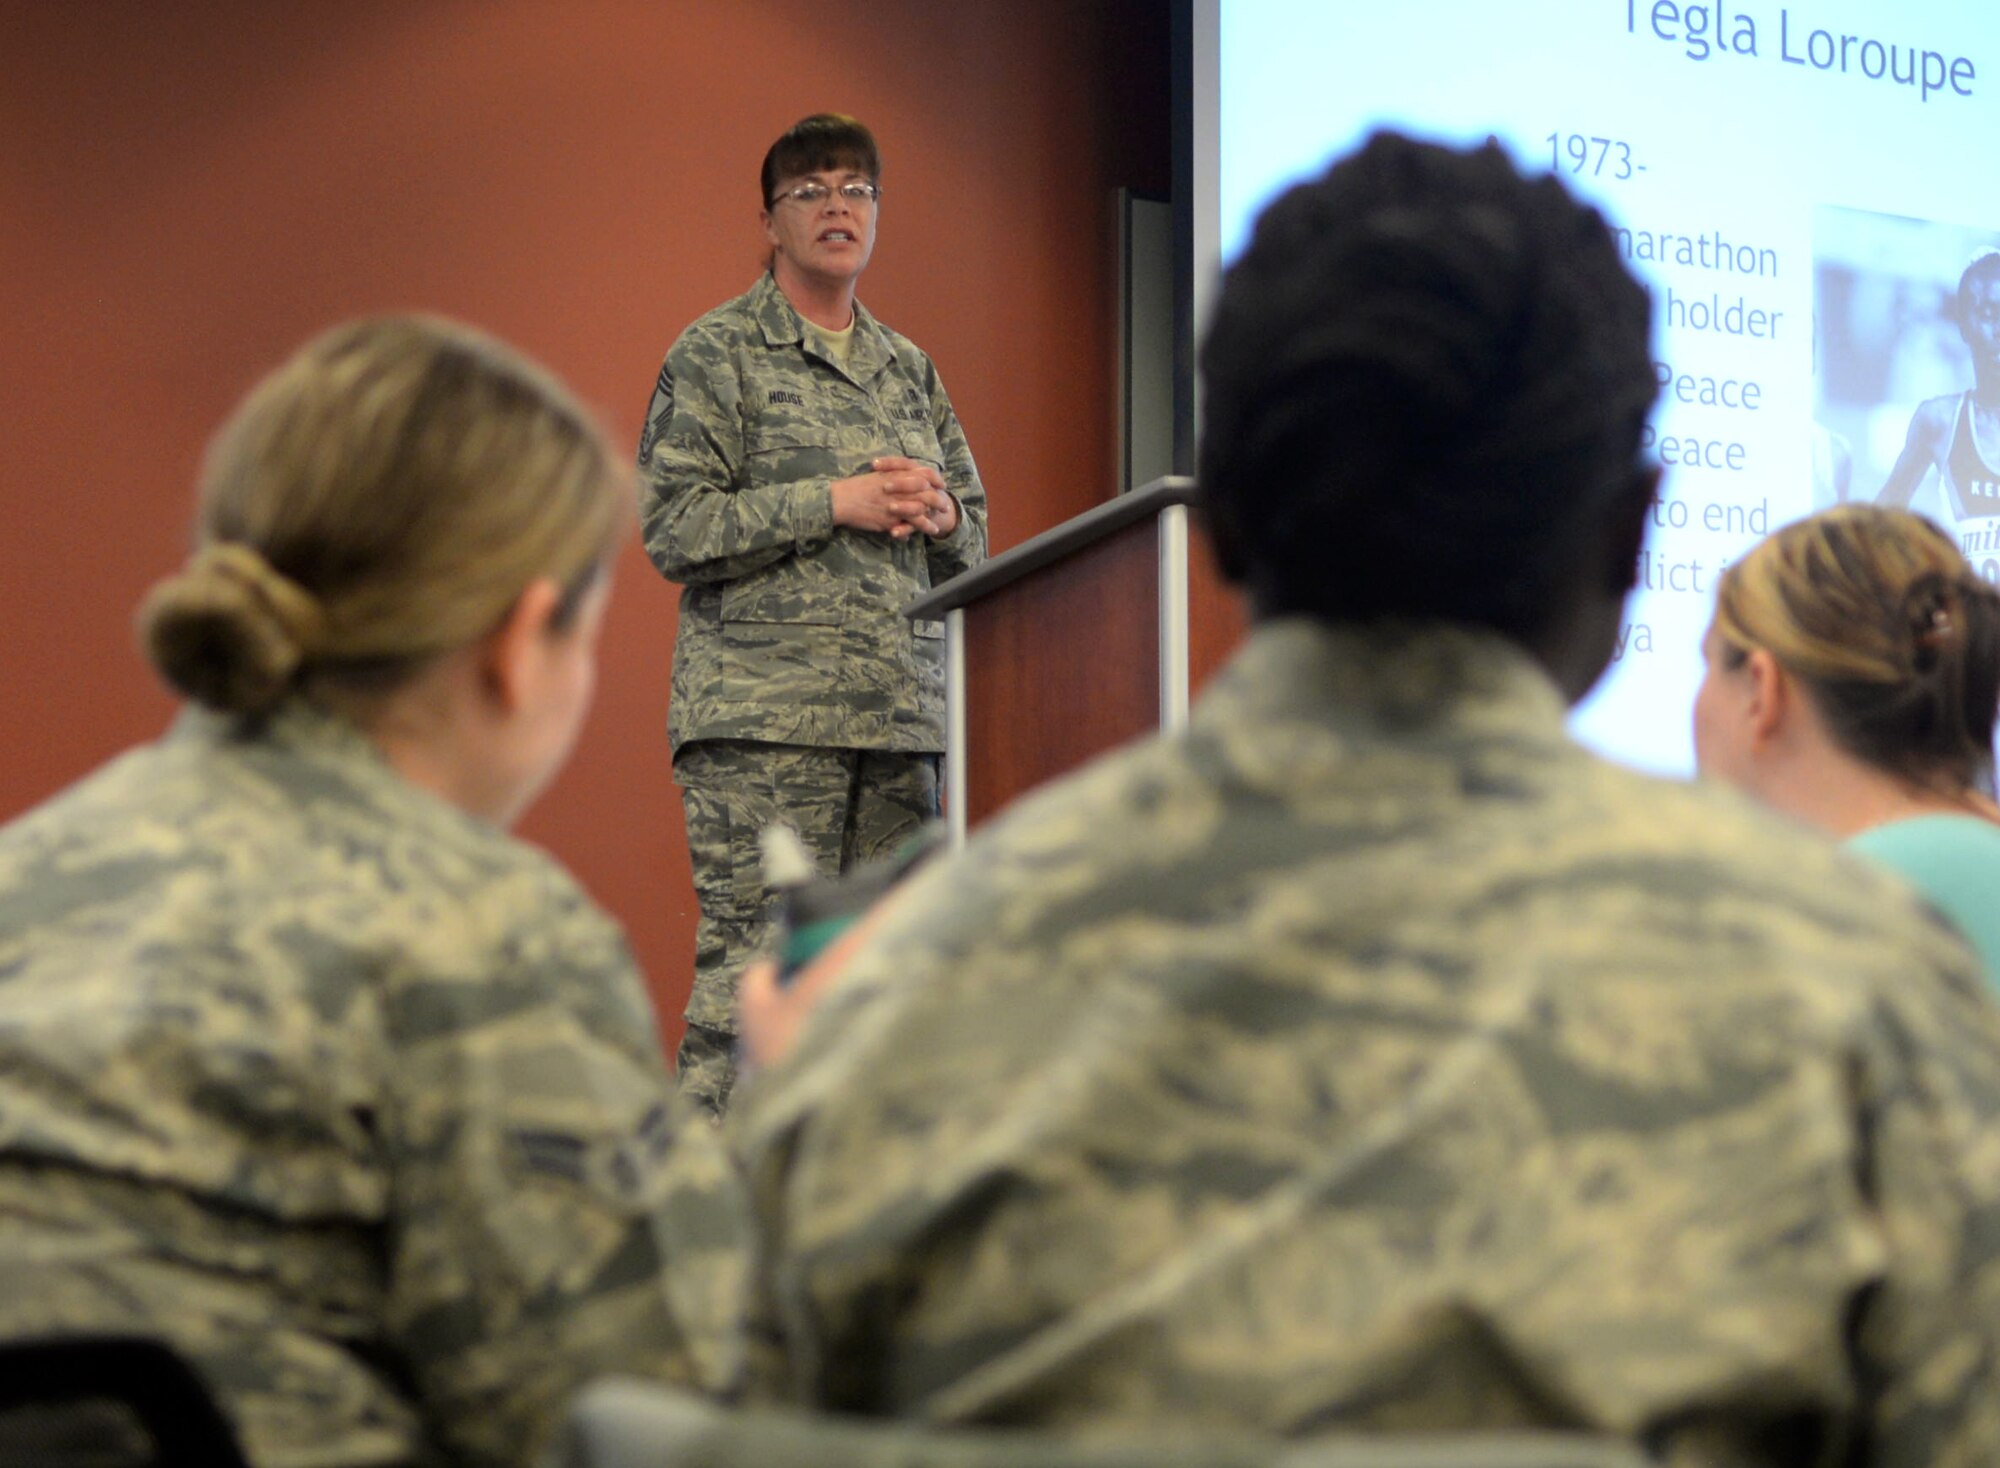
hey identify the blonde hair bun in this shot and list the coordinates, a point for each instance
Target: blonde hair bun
(1894, 637)
(228, 630)
(378, 500)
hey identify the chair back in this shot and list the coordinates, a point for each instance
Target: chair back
(632, 1424)
(104, 1401)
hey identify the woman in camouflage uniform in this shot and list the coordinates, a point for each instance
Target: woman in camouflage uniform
(804, 475)
(305, 1065)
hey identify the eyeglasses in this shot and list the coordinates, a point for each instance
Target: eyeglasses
(815, 192)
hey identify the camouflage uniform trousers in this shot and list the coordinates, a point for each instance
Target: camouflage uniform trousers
(847, 805)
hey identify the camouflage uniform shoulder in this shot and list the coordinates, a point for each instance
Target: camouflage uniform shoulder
(501, 919)
(714, 350)
(1446, 771)
(301, 817)
(761, 315)
(1289, 1067)
(912, 358)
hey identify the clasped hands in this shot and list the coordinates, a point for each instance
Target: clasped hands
(897, 496)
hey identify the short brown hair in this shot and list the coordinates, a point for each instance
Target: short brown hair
(818, 144)
(381, 498)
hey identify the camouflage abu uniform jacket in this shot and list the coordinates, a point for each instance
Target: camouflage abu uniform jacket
(791, 630)
(1371, 1056)
(354, 1098)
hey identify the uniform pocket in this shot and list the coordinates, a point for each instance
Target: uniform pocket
(784, 664)
(784, 599)
(782, 461)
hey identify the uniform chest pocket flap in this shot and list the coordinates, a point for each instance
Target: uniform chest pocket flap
(785, 458)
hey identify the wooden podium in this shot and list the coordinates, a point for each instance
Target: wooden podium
(1088, 635)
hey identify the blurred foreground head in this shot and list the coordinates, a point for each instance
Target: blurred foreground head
(381, 499)
(1889, 635)
(1424, 388)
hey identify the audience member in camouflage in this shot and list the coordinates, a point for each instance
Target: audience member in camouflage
(804, 477)
(305, 1065)
(1368, 1055)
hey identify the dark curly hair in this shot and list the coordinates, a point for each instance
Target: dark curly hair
(1424, 385)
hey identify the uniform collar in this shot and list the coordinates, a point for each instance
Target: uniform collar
(327, 757)
(295, 722)
(1386, 681)
(782, 326)
(313, 738)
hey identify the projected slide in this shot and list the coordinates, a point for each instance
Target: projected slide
(1802, 185)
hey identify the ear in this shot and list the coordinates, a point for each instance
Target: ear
(1626, 530)
(770, 229)
(1771, 697)
(512, 651)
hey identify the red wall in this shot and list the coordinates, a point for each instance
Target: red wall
(188, 190)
